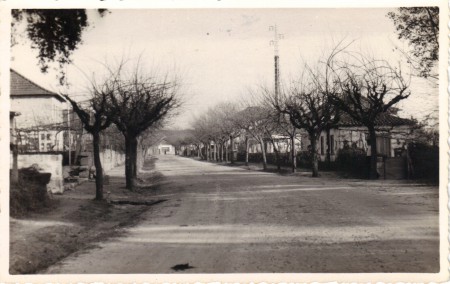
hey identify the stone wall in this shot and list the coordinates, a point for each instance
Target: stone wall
(108, 157)
(49, 163)
(111, 159)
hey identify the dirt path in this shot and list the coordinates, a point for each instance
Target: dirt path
(75, 222)
(225, 220)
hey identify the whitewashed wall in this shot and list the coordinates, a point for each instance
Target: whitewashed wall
(49, 163)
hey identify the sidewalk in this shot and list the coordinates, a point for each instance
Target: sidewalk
(74, 222)
(285, 170)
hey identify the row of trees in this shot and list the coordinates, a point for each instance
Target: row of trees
(135, 102)
(345, 84)
(249, 120)
(358, 87)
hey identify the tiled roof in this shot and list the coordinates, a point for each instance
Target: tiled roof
(21, 86)
(383, 119)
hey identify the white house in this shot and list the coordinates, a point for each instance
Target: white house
(40, 127)
(165, 148)
(392, 133)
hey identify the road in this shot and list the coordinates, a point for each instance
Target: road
(222, 219)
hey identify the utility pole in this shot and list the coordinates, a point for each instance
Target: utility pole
(274, 42)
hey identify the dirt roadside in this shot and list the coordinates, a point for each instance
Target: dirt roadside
(77, 222)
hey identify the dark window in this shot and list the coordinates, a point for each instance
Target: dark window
(384, 146)
(332, 144)
(321, 146)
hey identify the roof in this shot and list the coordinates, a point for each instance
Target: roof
(21, 86)
(383, 119)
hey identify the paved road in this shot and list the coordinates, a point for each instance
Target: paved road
(223, 220)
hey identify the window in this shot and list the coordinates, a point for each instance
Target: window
(322, 146)
(49, 136)
(42, 136)
(384, 146)
(332, 144)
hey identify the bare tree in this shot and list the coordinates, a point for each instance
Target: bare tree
(307, 103)
(140, 101)
(368, 88)
(96, 118)
(253, 120)
(226, 113)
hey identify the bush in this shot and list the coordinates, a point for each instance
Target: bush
(353, 162)
(304, 159)
(425, 161)
(30, 194)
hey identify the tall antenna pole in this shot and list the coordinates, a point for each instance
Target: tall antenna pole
(274, 42)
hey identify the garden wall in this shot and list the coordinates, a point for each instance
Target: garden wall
(48, 163)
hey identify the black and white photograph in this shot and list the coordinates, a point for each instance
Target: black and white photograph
(223, 142)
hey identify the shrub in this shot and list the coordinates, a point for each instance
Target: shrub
(304, 159)
(30, 194)
(425, 161)
(353, 162)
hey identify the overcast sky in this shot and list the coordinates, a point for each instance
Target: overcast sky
(220, 53)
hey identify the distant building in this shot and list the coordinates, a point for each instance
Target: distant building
(164, 148)
(41, 125)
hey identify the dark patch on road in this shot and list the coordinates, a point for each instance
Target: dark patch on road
(143, 202)
(182, 267)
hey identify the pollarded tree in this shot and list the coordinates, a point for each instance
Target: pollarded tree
(96, 118)
(226, 113)
(311, 110)
(307, 103)
(140, 101)
(202, 132)
(253, 120)
(368, 89)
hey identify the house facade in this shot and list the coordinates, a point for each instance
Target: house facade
(162, 148)
(392, 134)
(165, 148)
(41, 125)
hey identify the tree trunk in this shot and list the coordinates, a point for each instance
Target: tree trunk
(373, 174)
(328, 156)
(232, 149)
(15, 169)
(134, 152)
(246, 151)
(130, 160)
(293, 154)
(216, 157)
(226, 153)
(208, 151)
(98, 167)
(277, 155)
(222, 154)
(78, 147)
(263, 151)
(315, 156)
